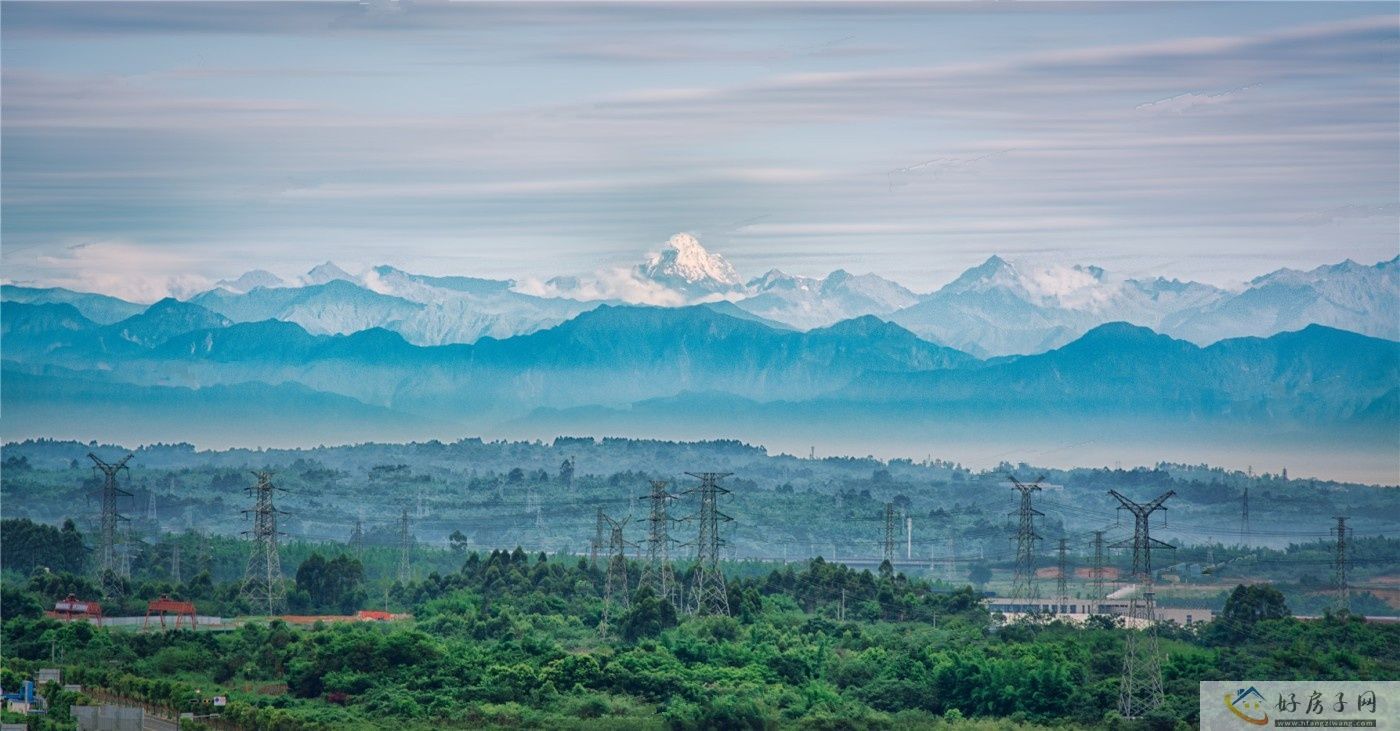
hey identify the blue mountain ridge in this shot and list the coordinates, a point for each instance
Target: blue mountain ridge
(615, 356)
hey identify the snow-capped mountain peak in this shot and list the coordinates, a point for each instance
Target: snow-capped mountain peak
(778, 279)
(251, 280)
(685, 264)
(1073, 287)
(327, 272)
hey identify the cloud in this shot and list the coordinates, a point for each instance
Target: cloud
(124, 269)
(613, 283)
(1182, 103)
(1350, 212)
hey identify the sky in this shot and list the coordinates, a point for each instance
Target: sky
(153, 148)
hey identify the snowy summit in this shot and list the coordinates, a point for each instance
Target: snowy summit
(686, 265)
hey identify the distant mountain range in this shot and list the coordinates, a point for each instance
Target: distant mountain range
(996, 308)
(712, 361)
(1004, 352)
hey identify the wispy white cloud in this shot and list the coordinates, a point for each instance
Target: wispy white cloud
(124, 269)
(611, 283)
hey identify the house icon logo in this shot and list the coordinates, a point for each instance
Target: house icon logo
(1248, 704)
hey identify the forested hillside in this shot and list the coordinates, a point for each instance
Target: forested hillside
(512, 640)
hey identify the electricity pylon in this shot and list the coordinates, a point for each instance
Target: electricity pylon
(889, 533)
(108, 562)
(708, 594)
(175, 562)
(1140, 689)
(357, 537)
(262, 578)
(657, 571)
(405, 574)
(1023, 586)
(1098, 569)
(596, 545)
(1244, 516)
(1340, 560)
(1062, 583)
(617, 585)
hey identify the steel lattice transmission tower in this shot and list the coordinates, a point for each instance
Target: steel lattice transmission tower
(1244, 515)
(108, 562)
(596, 545)
(1023, 586)
(405, 574)
(707, 592)
(262, 578)
(1140, 690)
(1340, 561)
(1062, 581)
(657, 571)
(616, 586)
(1098, 569)
(890, 535)
(175, 562)
(357, 537)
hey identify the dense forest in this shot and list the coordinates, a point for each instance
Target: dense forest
(511, 639)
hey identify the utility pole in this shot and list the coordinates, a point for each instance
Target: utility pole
(616, 586)
(657, 572)
(1140, 690)
(108, 563)
(1340, 562)
(405, 574)
(262, 577)
(1023, 586)
(1098, 570)
(841, 614)
(889, 533)
(909, 537)
(708, 594)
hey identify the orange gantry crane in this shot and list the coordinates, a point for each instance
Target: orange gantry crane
(160, 606)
